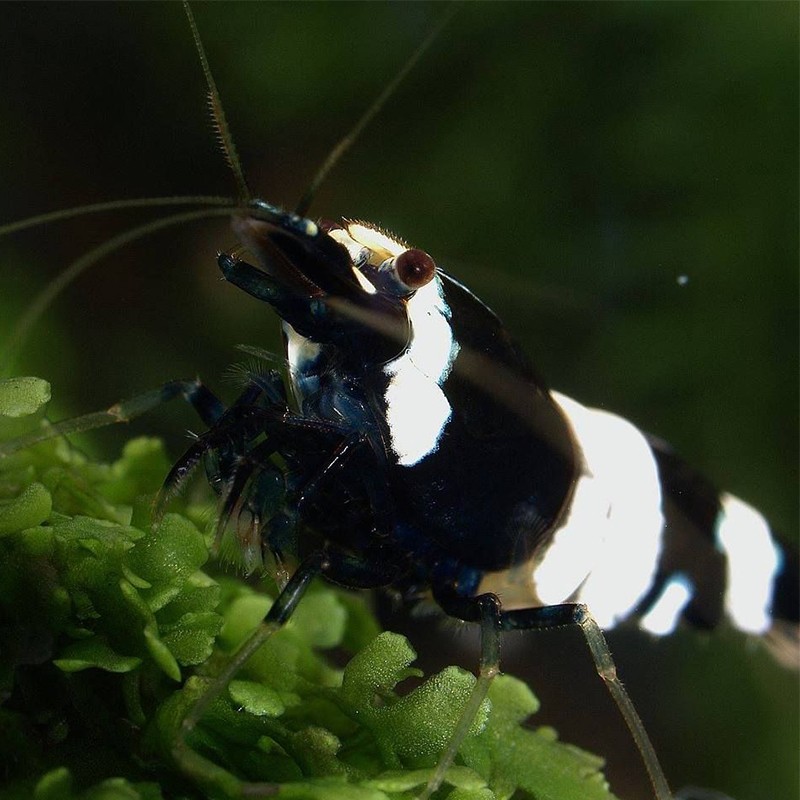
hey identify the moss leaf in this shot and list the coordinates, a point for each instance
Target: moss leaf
(94, 652)
(21, 397)
(256, 699)
(29, 509)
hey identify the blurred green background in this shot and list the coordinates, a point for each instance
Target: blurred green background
(617, 180)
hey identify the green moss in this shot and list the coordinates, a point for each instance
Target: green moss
(110, 630)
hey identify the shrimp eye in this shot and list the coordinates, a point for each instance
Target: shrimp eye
(415, 268)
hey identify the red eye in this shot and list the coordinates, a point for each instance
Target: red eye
(415, 268)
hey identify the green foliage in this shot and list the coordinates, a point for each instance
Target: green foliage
(21, 397)
(110, 630)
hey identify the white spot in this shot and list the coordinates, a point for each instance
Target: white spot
(370, 246)
(417, 414)
(663, 617)
(375, 239)
(417, 409)
(682, 280)
(753, 560)
(299, 350)
(354, 249)
(311, 228)
(364, 281)
(606, 551)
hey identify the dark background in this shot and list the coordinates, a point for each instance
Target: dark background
(569, 162)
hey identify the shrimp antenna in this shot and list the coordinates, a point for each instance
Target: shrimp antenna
(224, 137)
(112, 205)
(22, 328)
(350, 137)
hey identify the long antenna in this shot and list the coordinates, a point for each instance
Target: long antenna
(224, 136)
(112, 205)
(347, 140)
(22, 328)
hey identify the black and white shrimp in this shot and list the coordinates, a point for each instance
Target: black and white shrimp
(466, 193)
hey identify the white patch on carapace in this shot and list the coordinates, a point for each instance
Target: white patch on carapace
(299, 351)
(417, 409)
(663, 617)
(355, 249)
(361, 252)
(364, 281)
(376, 240)
(753, 560)
(606, 550)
